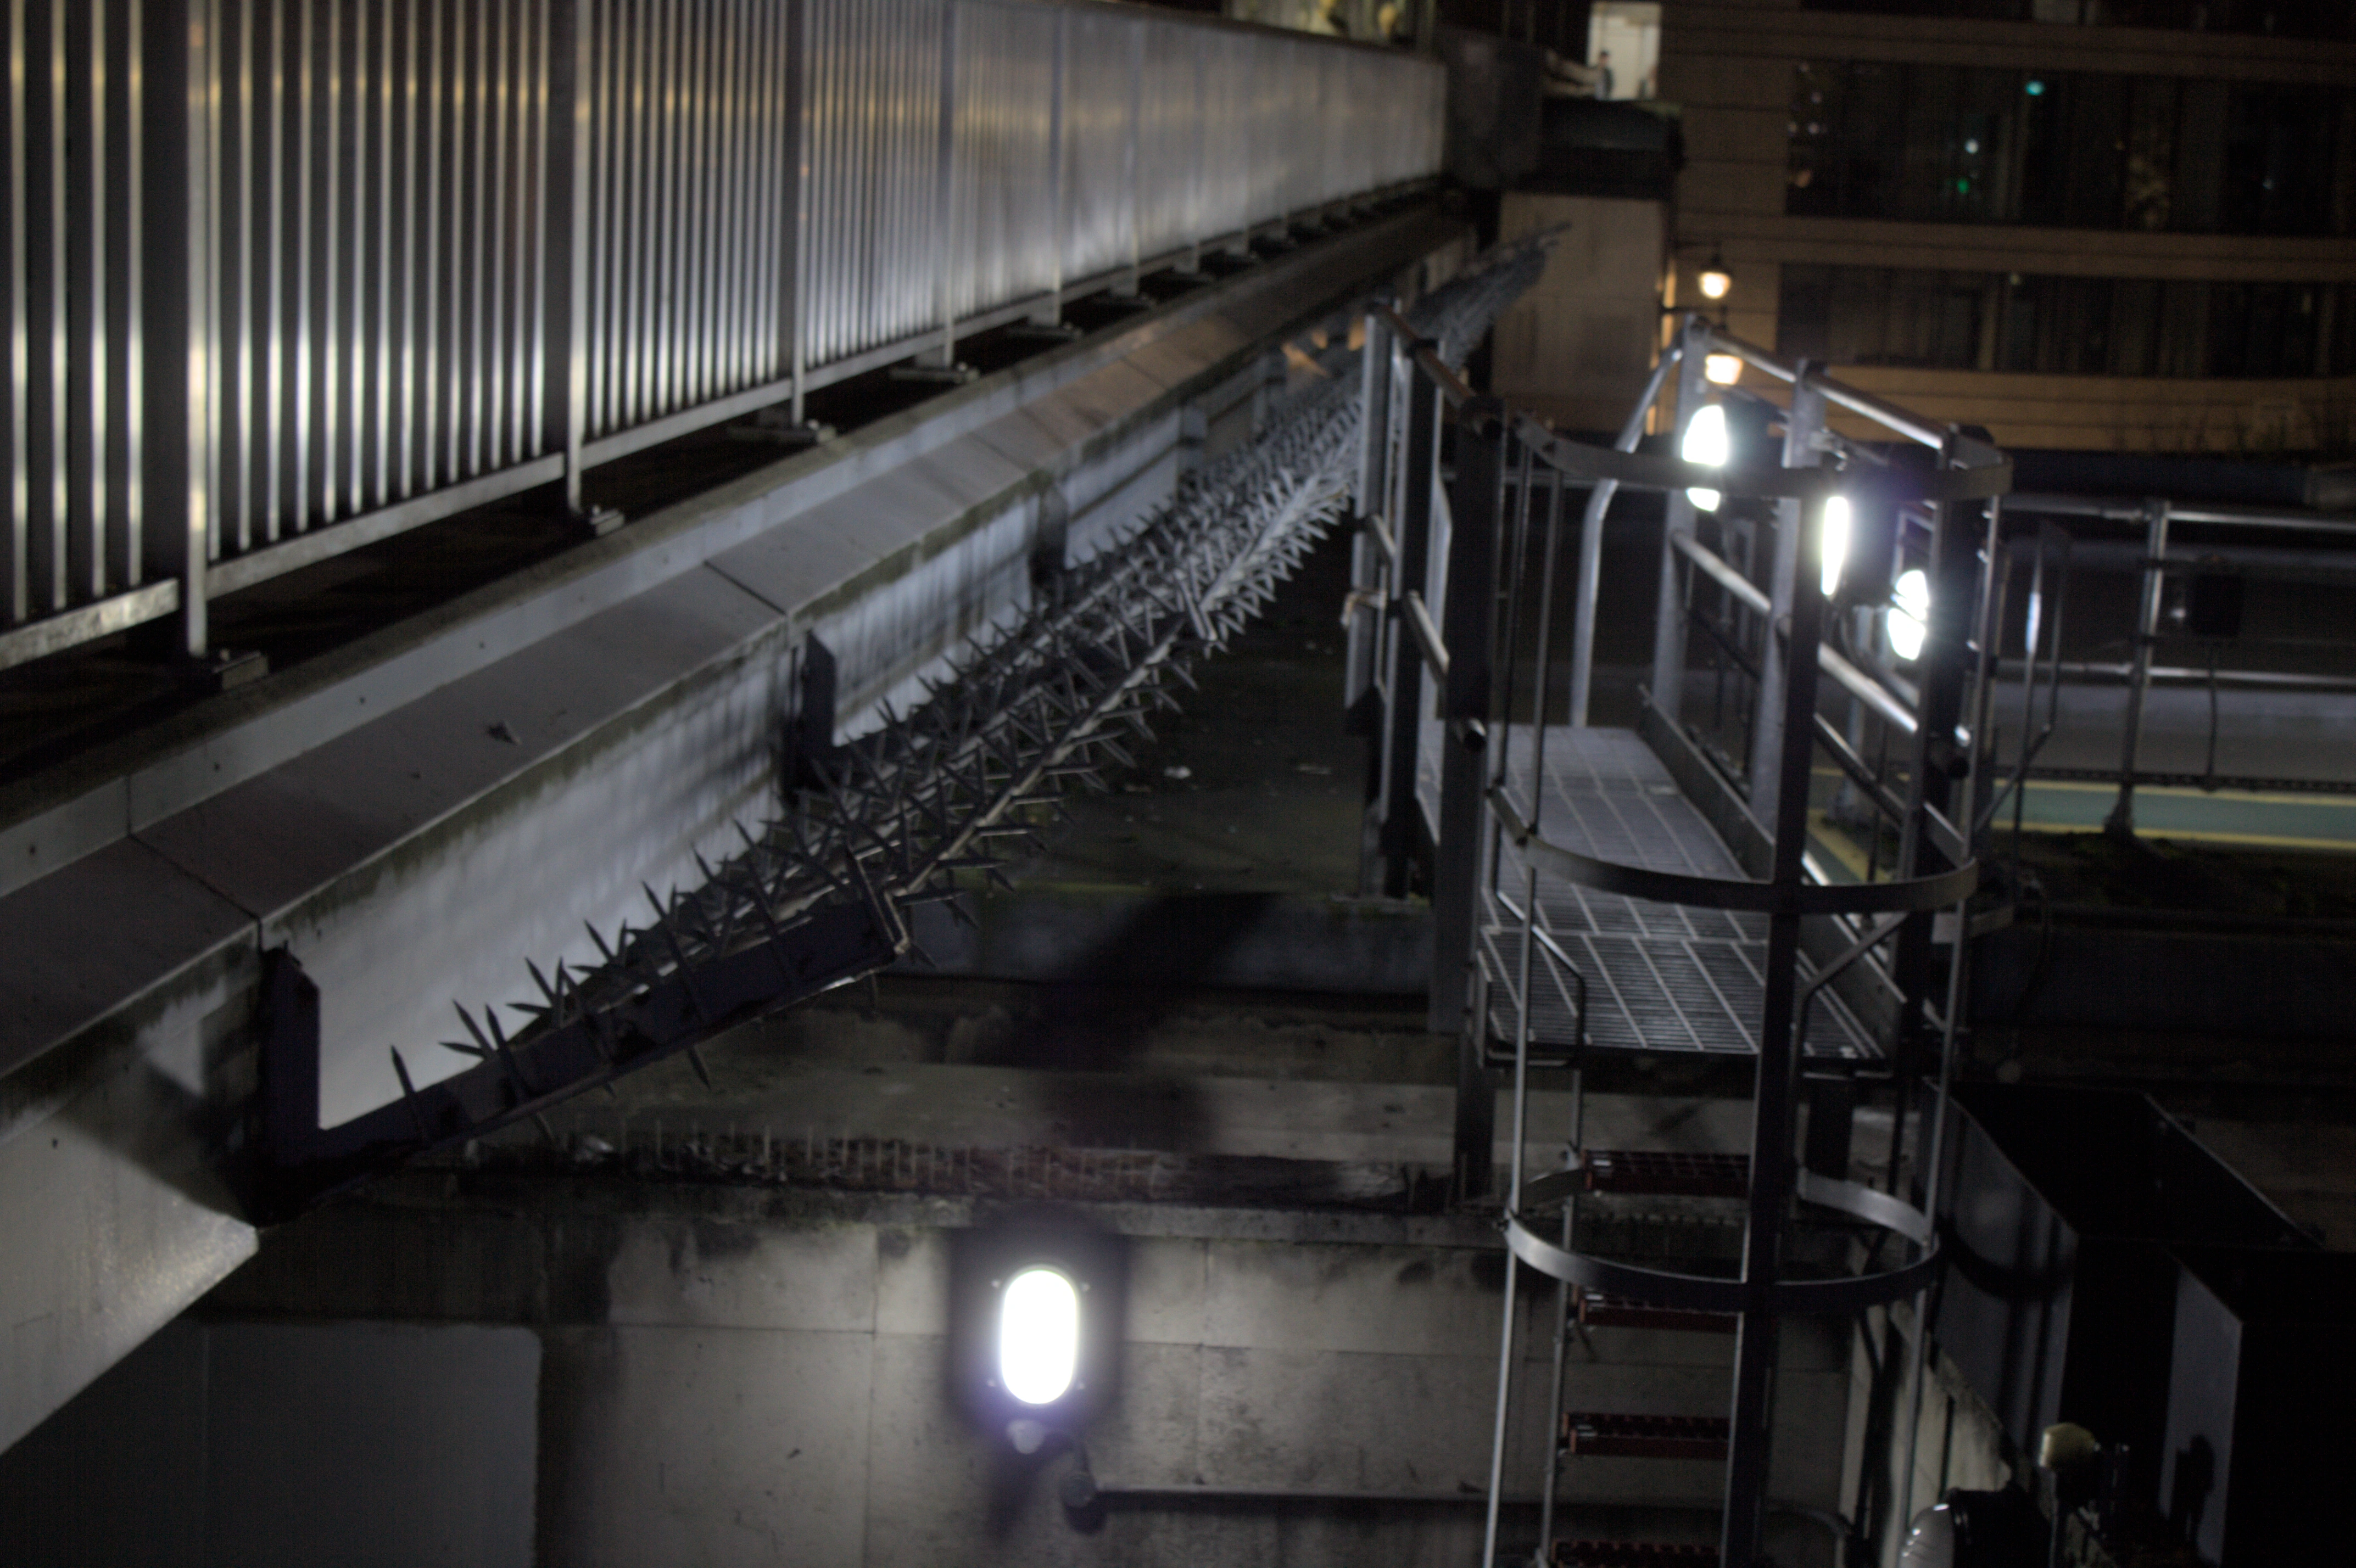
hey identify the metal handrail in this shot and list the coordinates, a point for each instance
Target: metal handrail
(603, 228)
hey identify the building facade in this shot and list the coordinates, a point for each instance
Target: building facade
(2076, 234)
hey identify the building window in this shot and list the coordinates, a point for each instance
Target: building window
(1937, 144)
(2266, 19)
(2065, 326)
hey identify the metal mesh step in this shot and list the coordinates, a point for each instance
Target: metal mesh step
(1657, 1173)
(1631, 1554)
(1656, 977)
(1597, 1310)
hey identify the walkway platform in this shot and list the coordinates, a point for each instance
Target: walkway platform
(1658, 977)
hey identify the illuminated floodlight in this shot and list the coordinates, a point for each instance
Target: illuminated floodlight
(1715, 281)
(1910, 613)
(1706, 443)
(1038, 1334)
(1722, 369)
(1835, 542)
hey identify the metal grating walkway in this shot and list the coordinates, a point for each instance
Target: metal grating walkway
(1659, 977)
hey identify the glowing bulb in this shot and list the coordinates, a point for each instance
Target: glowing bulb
(1715, 282)
(1910, 614)
(1038, 1336)
(1835, 542)
(1722, 369)
(1706, 443)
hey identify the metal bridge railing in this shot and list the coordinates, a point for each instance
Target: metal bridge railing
(287, 277)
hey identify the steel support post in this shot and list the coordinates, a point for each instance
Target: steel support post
(1573, 1151)
(1402, 717)
(1591, 543)
(1370, 566)
(2154, 521)
(1771, 1114)
(1935, 763)
(1465, 629)
(1669, 616)
(1800, 427)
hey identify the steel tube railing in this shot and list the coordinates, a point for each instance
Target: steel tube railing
(399, 262)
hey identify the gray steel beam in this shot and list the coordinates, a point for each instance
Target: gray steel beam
(1801, 424)
(2155, 515)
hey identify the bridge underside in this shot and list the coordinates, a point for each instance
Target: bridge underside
(414, 814)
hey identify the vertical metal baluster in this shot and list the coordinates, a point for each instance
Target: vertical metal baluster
(631, 318)
(760, 136)
(632, 184)
(945, 263)
(530, 153)
(637, 319)
(273, 395)
(491, 340)
(687, 213)
(773, 176)
(381, 257)
(532, 265)
(356, 331)
(406, 423)
(800, 199)
(597, 81)
(662, 211)
(133, 540)
(184, 326)
(575, 120)
(481, 261)
(239, 429)
(94, 273)
(431, 410)
(1058, 178)
(20, 603)
(736, 151)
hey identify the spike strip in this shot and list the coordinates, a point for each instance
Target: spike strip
(1027, 708)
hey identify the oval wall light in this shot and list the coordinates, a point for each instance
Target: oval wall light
(1038, 1334)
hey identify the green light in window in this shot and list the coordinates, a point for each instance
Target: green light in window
(2035, 89)
(1964, 185)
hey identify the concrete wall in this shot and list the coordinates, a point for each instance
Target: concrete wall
(740, 1377)
(1729, 65)
(257, 1445)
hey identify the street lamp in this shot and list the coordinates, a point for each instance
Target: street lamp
(1714, 278)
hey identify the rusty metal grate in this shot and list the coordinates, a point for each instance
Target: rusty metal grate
(1006, 1173)
(1597, 1310)
(1660, 1173)
(1600, 1436)
(1631, 1554)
